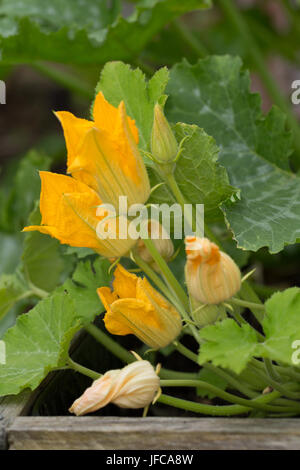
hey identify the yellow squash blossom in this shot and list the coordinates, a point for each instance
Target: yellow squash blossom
(69, 209)
(134, 307)
(103, 153)
(211, 275)
(105, 163)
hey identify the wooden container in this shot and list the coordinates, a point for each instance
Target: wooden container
(20, 430)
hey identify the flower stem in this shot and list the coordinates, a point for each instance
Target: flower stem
(164, 289)
(247, 304)
(247, 293)
(274, 384)
(212, 410)
(169, 276)
(126, 357)
(170, 179)
(270, 369)
(225, 395)
(236, 383)
(83, 370)
(153, 276)
(110, 344)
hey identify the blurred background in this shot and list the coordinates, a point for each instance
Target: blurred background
(44, 71)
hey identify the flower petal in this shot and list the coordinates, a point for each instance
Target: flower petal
(132, 316)
(111, 164)
(124, 283)
(106, 117)
(68, 209)
(74, 130)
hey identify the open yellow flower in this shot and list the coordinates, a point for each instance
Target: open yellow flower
(105, 163)
(134, 307)
(69, 213)
(103, 153)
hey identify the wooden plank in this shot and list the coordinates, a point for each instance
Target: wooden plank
(10, 407)
(113, 433)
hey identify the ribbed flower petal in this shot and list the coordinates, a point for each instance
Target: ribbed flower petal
(134, 386)
(110, 162)
(140, 310)
(68, 209)
(107, 118)
(211, 275)
(75, 130)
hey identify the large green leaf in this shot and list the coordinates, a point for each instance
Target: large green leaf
(40, 340)
(82, 31)
(214, 94)
(202, 180)
(231, 346)
(38, 343)
(282, 326)
(228, 345)
(119, 82)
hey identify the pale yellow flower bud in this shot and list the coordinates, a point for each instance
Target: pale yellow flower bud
(164, 146)
(161, 240)
(134, 386)
(211, 275)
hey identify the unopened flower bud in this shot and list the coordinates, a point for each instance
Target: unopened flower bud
(211, 275)
(134, 386)
(205, 314)
(164, 146)
(161, 240)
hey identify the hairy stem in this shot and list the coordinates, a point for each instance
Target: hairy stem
(225, 395)
(125, 356)
(83, 370)
(212, 410)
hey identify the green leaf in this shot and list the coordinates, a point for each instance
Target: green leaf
(214, 94)
(200, 177)
(42, 261)
(119, 82)
(38, 343)
(82, 31)
(83, 287)
(40, 340)
(12, 289)
(282, 325)
(228, 345)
